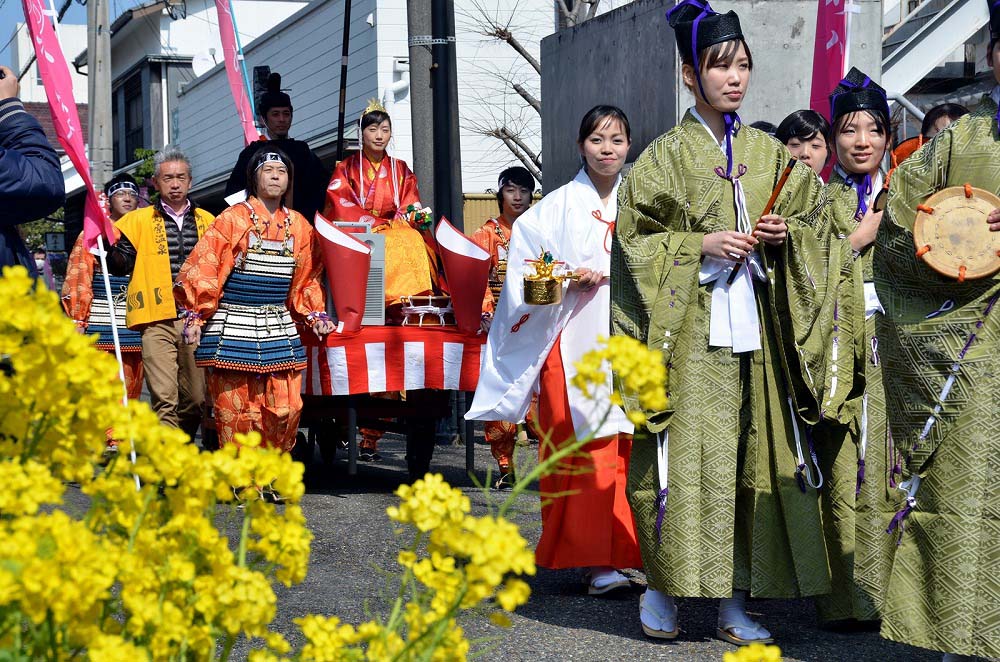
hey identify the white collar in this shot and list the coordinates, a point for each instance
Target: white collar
(697, 116)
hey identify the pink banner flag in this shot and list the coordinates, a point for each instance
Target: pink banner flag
(227, 32)
(59, 90)
(829, 53)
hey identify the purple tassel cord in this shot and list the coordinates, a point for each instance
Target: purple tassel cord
(661, 510)
(863, 185)
(861, 477)
(898, 519)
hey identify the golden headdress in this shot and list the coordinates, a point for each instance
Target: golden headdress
(373, 106)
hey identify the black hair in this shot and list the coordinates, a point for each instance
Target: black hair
(254, 162)
(950, 110)
(273, 97)
(374, 117)
(598, 116)
(722, 53)
(118, 179)
(804, 125)
(765, 126)
(514, 175)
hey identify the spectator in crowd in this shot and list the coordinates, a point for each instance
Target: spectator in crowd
(309, 189)
(155, 242)
(31, 183)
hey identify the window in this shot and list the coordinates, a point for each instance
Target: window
(128, 118)
(134, 120)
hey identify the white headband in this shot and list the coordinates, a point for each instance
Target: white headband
(269, 157)
(123, 186)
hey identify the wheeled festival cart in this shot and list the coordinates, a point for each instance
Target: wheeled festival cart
(346, 372)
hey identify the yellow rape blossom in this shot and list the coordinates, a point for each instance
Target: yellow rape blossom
(754, 653)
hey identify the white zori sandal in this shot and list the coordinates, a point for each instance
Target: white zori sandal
(736, 627)
(658, 615)
(604, 580)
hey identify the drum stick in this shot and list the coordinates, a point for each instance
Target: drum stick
(767, 210)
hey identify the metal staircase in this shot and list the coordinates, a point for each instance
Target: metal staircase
(928, 32)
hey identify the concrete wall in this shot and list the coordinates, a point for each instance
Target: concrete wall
(625, 58)
(628, 56)
(781, 35)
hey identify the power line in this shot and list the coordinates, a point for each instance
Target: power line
(12, 37)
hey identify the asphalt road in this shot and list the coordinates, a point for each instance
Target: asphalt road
(354, 539)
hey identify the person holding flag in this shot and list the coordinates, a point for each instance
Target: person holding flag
(254, 274)
(85, 299)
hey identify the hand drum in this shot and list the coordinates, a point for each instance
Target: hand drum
(952, 236)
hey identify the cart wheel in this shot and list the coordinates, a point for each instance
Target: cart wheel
(303, 449)
(419, 448)
(328, 436)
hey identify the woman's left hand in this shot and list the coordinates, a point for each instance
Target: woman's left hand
(587, 278)
(771, 229)
(322, 328)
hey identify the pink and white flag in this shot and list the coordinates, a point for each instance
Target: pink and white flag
(227, 32)
(829, 53)
(59, 90)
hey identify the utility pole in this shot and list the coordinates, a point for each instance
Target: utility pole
(99, 91)
(418, 18)
(448, 197)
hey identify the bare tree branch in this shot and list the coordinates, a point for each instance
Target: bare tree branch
(504, 134)
(503, 34)
(565, 10)
(528, 96)
(523, 158)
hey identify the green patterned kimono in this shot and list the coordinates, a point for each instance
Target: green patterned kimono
(855, 522)
(944, 590)
(735, 516)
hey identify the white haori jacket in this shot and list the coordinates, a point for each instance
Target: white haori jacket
(573, 225)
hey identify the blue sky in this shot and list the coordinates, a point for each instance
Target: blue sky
(11, 14)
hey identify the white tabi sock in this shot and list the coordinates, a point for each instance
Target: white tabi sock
(733, 615)
(601, 576)
(658, 611)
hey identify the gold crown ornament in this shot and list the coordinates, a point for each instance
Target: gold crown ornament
(544, 287)
(374, 105)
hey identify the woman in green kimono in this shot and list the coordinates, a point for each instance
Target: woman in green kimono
(940, 344)
(859, 498)
(723, 484)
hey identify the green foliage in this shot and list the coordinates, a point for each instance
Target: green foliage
(33, 233)
(144, 170)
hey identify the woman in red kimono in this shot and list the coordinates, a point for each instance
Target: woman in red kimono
(373, 187)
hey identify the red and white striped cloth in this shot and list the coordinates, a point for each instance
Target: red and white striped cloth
(392, 358)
